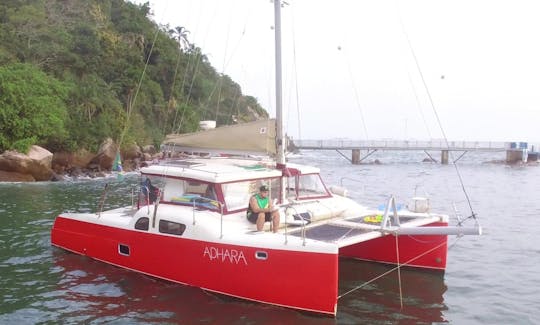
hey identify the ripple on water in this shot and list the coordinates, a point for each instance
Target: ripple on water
(99, 290)
(25, 260)
(490, 279)
(27, 316)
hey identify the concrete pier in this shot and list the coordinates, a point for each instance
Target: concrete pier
(516, 155)
(371, 146)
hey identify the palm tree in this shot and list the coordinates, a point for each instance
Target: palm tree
(180, 34)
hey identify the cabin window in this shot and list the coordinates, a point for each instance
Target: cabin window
(189, 192)
(142, 223)
(174, 188)
(237, 194)
(123, 249)
(173, 228)
(310, 186)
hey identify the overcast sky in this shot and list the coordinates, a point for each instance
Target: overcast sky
(349, 71)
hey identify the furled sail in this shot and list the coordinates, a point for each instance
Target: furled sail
(257, 137)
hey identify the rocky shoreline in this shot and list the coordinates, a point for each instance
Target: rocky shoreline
(39, 164)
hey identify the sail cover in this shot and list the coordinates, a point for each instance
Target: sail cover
(257, 137)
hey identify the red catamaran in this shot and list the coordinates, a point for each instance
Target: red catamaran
(188, 223)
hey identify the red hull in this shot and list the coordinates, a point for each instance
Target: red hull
(286, 278)
(427, 252)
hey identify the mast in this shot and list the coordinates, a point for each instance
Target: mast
(280, 155)
(280, 150)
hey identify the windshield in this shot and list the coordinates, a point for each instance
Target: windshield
(237, 194)
(179, 191)
(305, 186)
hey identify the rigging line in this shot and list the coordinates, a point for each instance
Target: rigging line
(349, 68)
(169, 104)
(198, 57)
(418, 104)
(295, 75)
(226, 62)
(191, 57)
(399, 273)
(238, 91)
(220, 81)
(436, 115)
(392, 270)
(219, 85)
(131, 102)
(186, 71)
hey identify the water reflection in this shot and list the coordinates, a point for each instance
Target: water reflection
(88, 290)
(379, 301)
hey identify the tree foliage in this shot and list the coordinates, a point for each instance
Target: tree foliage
(76, 72)
(33, 108)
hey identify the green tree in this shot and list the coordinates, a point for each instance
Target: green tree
(121, 74)
(33, 108)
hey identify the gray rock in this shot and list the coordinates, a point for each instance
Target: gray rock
(36, 163)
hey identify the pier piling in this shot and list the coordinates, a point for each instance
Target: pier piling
(444, 157)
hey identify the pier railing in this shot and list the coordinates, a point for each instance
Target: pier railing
(401, 145)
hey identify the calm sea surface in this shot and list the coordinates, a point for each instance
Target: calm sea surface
(490, 279)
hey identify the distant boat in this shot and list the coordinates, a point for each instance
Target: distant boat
(207, 125)
(188, 223)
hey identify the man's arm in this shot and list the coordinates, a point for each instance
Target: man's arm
(255, 206)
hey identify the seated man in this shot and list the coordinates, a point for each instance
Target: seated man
(260, 210)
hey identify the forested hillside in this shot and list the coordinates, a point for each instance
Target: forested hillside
(75, 72)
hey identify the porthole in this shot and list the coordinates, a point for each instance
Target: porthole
(142, 223)
(261, 255)
(123, 249)
(173, 228)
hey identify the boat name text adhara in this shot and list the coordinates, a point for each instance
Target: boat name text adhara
(224, 255)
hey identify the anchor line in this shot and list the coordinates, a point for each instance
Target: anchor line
(399, 273)
(421, 241)
(393, 269)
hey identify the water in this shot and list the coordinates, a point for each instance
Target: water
(492, 279)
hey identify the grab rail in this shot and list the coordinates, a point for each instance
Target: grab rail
(304, 222)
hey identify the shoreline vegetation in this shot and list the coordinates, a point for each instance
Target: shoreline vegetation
(75, 74)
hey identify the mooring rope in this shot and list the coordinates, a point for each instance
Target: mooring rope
(392, 270)
(399, 273)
